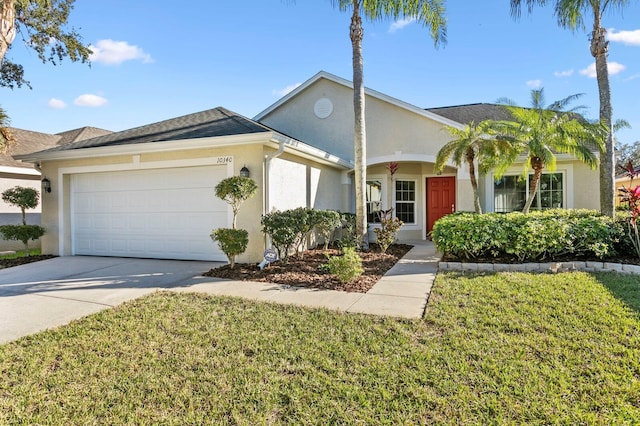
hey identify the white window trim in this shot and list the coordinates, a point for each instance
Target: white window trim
(415, 201)
(565, 169)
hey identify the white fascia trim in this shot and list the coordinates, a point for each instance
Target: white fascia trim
(19, 171)
(367, 91)
(310, 152)
(149, 147)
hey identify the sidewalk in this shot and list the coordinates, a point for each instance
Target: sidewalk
(402, 292)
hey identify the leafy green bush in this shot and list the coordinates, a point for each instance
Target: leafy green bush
(346, 267)
(328, 221)
(283, 228)
(22, 233)
(389, 227)
(348, 239)
(527, 237)
(25, 198)
(232, 242)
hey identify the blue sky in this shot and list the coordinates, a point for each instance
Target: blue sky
(155, 60)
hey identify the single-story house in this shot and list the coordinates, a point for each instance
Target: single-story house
(148, 191)
(17, 173)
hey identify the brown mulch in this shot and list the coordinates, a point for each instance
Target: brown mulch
(8, 263)
(306, 271)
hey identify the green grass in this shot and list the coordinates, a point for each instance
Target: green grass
(22, 253)
(492, 349)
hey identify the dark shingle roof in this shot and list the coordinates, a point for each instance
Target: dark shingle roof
(465, 114)
(210, 123)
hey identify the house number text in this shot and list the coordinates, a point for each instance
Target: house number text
(224, 160)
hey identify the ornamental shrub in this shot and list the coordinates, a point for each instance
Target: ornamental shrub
(235, 190)
(348, 237)
(534, 236)
(232, 242)
(282, 227)
(22, 233)
(389, 227)
(328, 221)
(25, 198)
(346, 267)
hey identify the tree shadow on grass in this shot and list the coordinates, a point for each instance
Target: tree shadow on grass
(625, 287)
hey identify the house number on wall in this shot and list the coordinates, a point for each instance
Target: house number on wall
(224, 160)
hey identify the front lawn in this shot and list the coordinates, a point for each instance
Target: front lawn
(505, 348)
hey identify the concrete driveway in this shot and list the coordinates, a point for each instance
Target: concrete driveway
(53, 292)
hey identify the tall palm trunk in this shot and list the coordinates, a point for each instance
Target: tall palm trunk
(7, 26)
(474, 182)
(599, 50)
(537, 165)
(360, 136)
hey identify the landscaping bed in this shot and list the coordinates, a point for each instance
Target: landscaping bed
(307, 270)
(17, 261)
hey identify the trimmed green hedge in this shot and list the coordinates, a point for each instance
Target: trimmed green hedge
(529, 237)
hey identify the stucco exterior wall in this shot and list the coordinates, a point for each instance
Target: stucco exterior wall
(319, 185)
(390, 128)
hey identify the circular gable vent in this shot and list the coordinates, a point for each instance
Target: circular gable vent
(323, 108)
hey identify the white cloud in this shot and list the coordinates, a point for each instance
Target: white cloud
(400, 24)
(567, 73)
(56, 103)
(286, 90)
(89, 100)
(627, 37)
(111, 52)
(534, 84)
(613, 67)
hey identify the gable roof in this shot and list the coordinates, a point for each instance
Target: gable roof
(368, 92)
(80, 134)
(478, 112)
(210, 123)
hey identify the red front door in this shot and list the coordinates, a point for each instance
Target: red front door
(441, 198)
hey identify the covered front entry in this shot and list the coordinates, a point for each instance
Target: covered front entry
(157, 213)
(441, 198)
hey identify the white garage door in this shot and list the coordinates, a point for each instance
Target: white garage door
(159, 213)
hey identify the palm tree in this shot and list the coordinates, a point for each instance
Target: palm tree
(5, 134)
(570, 14)
(476, 142)
(542, 131)
(428, 12)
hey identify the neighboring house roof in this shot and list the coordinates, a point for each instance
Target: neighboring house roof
(27, 141)
(369, 92)
(210, 123)
(465, 114)
(80, 134)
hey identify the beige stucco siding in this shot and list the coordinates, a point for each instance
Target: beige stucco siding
(586, 187)
(320, 185)
(390, 128)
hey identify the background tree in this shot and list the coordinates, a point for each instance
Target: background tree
(542, 131)
(571, 14)
(430, 13)
(25, 198)
(627, 153)
(42, 26)
(474, 142)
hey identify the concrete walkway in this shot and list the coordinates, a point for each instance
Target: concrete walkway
(54, 292)
(402, 292)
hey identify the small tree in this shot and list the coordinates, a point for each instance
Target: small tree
(234, 190)
(25, 198)
(329, 221)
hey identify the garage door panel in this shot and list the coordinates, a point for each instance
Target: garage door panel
(165, 213)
